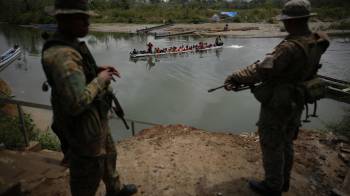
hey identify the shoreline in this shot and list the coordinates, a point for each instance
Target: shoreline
(240, 30)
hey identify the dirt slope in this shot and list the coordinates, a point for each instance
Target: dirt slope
(179, 160)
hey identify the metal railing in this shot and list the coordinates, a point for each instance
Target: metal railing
(23, 129)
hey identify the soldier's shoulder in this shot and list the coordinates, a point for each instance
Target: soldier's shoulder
(61, 53)
(286, 47)
(287, 44)
(60, 50)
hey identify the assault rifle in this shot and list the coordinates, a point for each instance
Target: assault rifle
(118, 110)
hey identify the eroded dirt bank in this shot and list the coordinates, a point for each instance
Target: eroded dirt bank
(180, 160)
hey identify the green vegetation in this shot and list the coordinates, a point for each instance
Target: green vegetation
(157, 11)
(11, 134)
(12, 137)
(48, 140)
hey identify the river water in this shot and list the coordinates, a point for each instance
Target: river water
(172, 89)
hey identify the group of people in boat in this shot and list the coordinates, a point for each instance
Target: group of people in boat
(183, 48)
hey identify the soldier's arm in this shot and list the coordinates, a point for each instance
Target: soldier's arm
(66, 67)
(283, 56)
(247, 75)
(273, 65)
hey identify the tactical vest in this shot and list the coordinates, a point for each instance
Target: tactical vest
(313, 48)
(90, 67)
(283, 90)
(313, 88)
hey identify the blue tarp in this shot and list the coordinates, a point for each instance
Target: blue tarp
(229, 14)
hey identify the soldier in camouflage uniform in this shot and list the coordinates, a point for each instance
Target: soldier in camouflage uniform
(80, 100)
(292, 62)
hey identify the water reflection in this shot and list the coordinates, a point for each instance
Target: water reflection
(29, 39)
(171, 89)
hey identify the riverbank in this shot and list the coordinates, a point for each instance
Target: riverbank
(248, 30)
(182, 160)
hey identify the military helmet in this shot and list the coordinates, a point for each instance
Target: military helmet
(70, 7)
(296, 9)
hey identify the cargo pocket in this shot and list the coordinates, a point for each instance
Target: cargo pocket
(90, 125)
(263, 93)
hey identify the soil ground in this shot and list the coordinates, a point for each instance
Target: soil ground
(180, 160)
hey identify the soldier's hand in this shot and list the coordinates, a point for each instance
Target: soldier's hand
(111, 68)
(106, 75)
(230, 87)
(230, 83)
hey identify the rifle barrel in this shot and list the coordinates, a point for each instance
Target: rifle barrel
(214, 89)
(333, 79)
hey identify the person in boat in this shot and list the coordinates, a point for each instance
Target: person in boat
(134, 51)
(81, 99)
(226, 27)
(282, 75)
(149, 47)
(205, 45)
(200, 45)
(218, 41)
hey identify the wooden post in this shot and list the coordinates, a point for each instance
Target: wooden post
(133, 128)
(22, 124)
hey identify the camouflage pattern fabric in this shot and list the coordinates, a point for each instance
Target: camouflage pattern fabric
(73, 101)
(87, 172)
(282, 103)
(80, 114)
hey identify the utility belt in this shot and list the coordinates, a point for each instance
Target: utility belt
(282, 95)
(313, 90)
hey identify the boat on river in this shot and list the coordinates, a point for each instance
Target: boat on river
(137, 55)
(9, 56)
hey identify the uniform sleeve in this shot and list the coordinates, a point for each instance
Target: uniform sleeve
(273, 65)
(247, 75)
(283, 56)
(66, 68)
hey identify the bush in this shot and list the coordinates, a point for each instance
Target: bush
(48, 140)
(12, 136)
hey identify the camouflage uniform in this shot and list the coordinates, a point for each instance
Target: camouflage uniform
(80, 106)
(282, 100)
